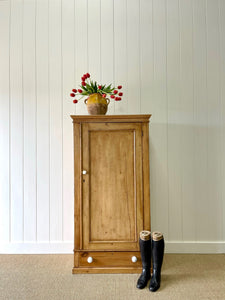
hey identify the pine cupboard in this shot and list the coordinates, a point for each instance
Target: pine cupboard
(111, 192)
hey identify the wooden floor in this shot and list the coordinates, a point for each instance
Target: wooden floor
(184, 277)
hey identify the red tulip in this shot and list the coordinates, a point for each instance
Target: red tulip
(112, 96)
(80, 91)
(119, 87)
(75, 101)
(72, 95)
(74, 90)
(88, 75)
(119, 98)
(120, 94)
(104, 95)
(83, 83)
(115, 91)
(99, 87)
(83, 78)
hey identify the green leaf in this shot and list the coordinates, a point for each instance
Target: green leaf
(96, 87)
(90, 88)
(85, 93)
(84, 88)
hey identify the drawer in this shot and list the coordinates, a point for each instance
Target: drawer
(109, 259)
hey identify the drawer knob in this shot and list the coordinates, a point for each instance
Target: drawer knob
(90, 260)
(134, 259)
(84, 172)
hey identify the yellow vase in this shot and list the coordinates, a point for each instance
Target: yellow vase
(96, 104)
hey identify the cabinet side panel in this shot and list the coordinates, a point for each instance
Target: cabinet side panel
(77, 187)
(146, 176)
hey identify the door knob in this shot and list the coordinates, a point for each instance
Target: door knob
(90, 260)
(134, 259)
(84, 172)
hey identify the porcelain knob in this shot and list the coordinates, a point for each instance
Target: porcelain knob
(90, 260)
(134, 259)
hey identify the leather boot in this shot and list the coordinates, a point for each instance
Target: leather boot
(145, 247)
(157, 260)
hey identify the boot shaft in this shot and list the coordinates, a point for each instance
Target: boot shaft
(157, 260)
(145, 249)
(158, 246)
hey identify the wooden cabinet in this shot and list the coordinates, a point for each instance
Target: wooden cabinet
(111, 189)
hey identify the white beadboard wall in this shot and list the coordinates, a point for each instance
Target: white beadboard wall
(169, 55)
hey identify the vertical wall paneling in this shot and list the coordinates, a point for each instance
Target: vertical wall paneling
(29, 115)
(200, 105)
(146, 56)
(68, 106)
(16, 126)
(174, 119)
(43, 120)
(107, 47)
(4, 123)
(94, 39)
(158, 138)
(133, 56)
(121, 36)
(81, 47)
(187, 122)
(222, 97)
(213, 99)
(55, 98)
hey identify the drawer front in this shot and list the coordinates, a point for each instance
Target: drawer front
(109, 259)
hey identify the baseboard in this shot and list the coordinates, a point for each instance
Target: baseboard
(37, 248)
(67, 247)
(195, 247)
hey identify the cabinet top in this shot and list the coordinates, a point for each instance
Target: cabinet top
(110, 118)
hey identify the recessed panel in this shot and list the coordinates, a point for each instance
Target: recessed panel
(112, 196)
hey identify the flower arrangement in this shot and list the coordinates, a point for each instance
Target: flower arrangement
(89, 87)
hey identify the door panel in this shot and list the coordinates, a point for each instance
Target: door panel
(112, 186)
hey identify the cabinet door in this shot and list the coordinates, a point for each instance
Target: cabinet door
(112, 189)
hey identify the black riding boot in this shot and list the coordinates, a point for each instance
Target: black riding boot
(157, 260)
(145, 247)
